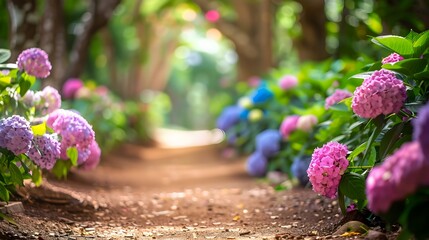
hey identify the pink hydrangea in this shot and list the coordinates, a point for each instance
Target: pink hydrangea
(288, 82)
(306, 123)
(15, 134)
(93, 158)
(74, 130)
(288, 125)
(35, 62)
(327, 165)
(392, 58)
(212, 16)
(381, 93)
(397, 177)
(51, 100)
(336, 97)
(70, 87)
(45, 151)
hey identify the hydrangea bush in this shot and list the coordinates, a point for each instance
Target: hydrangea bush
(35, 134)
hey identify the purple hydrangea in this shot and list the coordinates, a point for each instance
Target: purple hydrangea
(381, 93)
(299, 169)
(51, 100)
(74, 130)
(93, 158)
(268, 142)
(392, 58)
(421, 129)
(261, 95)
(70, 88)
(288, 82)
(397, 177)
(257, 164)
(288, 125)
(336, 97)
(229, 117)
(35, 62)
(327, 165)
(45, 151)
(15, 134)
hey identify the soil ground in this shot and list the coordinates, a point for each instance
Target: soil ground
(158, 193)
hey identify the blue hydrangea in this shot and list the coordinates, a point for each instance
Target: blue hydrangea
(421, 129)
(299, 169)
(261, 95)
(268, 142)
(257, 164)
(229, 117)
(15, 134)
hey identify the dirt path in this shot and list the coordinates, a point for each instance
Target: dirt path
(155, 193)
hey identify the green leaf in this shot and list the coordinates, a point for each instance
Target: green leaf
(73, 155)
(36, 176)
(352, 185)
(61, 168)
(4, 55)
(357, 151)
(400, 45)
(412, 36)
(408, 66)
(15, 174)
(341, 202)
(421, 44)
(417, 220)
(24, 86)
(389, 140)
(8, 219)
(4, 193)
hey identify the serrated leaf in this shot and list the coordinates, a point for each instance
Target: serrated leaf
(39, 129)
(4, 193)
(4, 55)
(15, 174)
(398, 44)
(73, 154)
(408, 66)
(352, 185)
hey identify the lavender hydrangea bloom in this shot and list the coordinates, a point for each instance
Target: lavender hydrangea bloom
(421, 129)
(392, 58)
(45, 151)
(74, 130)
(299, 169)
(327, 165)
(51, 100)
(268, 142)
(35, 62)
(336, 97)
(261, 95)
(257, 164)
(229, 117)
(397, 177)
(31, 98)
(288, 125)
(381, 93)
(93, 158)
(70, 88)
(15, 134)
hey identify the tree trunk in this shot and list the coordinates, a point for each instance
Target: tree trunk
(23, 26)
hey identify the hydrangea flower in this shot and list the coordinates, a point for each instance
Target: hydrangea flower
(392, 58)
(31, 98)
(245, 102)
(229, 117)
(336, 97)
(327, 165)
(261, 95)
(74, 130)
(15, 134)
(421, 129)
(288, 125)
(51, 100)
(257, 164)
(268, 142)
(212, 16)
(381, 93)
(93, 158)
(255, 115)
(45, 151)
(70, 87)
(35, 62)
(306, 122)
(397, 177)
(299, 169)
(288, 82)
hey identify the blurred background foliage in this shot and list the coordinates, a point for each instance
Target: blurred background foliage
(179, 62)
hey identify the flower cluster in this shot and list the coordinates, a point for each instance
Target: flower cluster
(421, 129)
(35, 62)
(397, 177)
(306, 123)
(50, 100)
(257, 164)
(94, 157)
(288, 125)
(268, 142)
(327, 165)
(392, 58)
(288, 82)
(15, 134)
(299, 169)
(229, 117)
(336, 97)
(381, 93)
(261, 95)
(74, 131)
(71, 87)
(45, 151)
